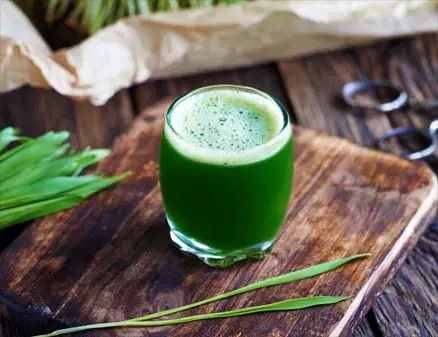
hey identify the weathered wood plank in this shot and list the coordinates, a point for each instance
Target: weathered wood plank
(364, 329)
(313, 85)
(118, 263)
(36, 111)
(264, 77)
(409, 305)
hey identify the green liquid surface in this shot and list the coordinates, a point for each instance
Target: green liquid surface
(226, 121)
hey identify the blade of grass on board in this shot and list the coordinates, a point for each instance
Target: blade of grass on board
(42, 190)
(69, 165)
(35, 210)
(282, 279)
(31, 151)
(86, 190)
(7, 136)
(287, 305)
(7, 154)
(22, 213)
(90, 157)
(59, 152)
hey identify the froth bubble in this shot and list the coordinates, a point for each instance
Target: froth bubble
(227, 121)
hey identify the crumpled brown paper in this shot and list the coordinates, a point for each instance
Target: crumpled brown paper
(181, 42)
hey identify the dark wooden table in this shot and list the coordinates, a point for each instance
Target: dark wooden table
(309, 88)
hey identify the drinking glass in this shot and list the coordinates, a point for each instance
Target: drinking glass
(220, 206)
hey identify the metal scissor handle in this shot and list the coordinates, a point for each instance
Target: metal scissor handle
(428, 134)
(351, 89)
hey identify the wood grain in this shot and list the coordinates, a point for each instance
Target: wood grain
(263, 77)
(364, 329)
(408, 306)
(36, 111)
(111, 258)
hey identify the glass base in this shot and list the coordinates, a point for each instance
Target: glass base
(215, 257)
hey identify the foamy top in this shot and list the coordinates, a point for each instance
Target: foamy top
(226, 126)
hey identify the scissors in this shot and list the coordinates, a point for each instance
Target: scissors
(400, 101)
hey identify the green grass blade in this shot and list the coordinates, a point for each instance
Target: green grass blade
(108, 12)
(120, 12)
(35, 175)
(8, 131)
(38, 172)
(96, 14)
(20, 160)
(48, 138)
(93, 15)
(90, 157)
(59, 152)
(62, 8)
(22, 213)
(161, 5)
(143, 7)
(8, 154)
(205, 3)
(282, 279)
(51, 9)
(42, 190)
(95, 186)
(230, 2)
(7, 136)
(288, 305)
(35, 210)
(131, 7)
(77, 11)
(173, 4)
(193, 3)
(69, 165)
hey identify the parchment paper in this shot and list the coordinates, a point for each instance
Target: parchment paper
(181, 42)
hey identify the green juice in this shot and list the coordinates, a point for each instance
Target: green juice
(226, 170)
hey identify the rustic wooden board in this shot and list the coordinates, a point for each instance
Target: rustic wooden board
(111, 258)
(408, 306)
(264, 77)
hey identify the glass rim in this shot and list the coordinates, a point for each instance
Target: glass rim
(285, 115)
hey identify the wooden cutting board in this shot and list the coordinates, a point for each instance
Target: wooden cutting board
(111, 257)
